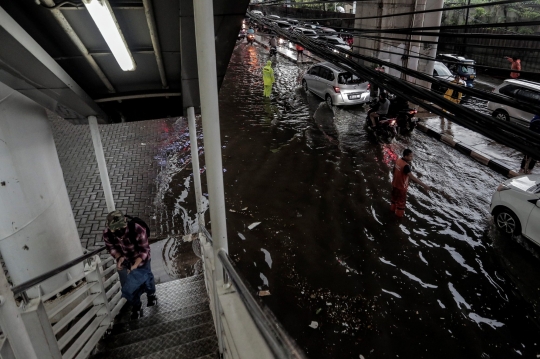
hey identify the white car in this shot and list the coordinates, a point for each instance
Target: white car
(441, 72)
(336, 41)
(335, 85)
(517, 89)
(307, 32)
(257, 13)
(516, 207)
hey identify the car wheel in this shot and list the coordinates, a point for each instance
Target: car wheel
(304, 86)
(501, 115)
(507, 222)
(328, 99)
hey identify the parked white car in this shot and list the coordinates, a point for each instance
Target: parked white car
(335, 85)
(520, 90)
(516, 207)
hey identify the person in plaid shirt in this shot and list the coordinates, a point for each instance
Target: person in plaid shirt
(129, 246)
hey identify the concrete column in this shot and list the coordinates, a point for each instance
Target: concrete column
(430, 19)
(37, 228)
(208, 87)
(102, 165)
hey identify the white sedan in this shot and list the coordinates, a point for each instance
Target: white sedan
(516, 207)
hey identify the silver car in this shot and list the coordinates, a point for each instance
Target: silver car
(335, 85)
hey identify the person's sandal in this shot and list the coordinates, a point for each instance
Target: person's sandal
(136, 312)
(152, 300)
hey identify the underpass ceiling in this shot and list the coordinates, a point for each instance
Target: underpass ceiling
(42, 26)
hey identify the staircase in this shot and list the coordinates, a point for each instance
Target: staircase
(179, 326)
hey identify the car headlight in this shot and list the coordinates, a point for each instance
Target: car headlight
(502, 187)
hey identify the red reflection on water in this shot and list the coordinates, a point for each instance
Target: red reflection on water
(389, 155)
(253, 59)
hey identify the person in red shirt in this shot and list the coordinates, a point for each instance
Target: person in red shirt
(300, 51)
(400, 183)
(516, 65)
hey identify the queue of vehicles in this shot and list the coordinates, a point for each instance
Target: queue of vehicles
(515, 205)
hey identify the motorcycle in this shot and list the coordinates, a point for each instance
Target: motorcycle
(386, 128)
(250, 39)
(405, 116)
(241, 34)
(273, 51)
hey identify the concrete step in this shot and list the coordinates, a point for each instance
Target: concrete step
(149, 332)
(171, 297)
(168, 345)
(185, 312)
(205, 348)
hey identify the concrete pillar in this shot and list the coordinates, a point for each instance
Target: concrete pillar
(430, 50)
(37, 228)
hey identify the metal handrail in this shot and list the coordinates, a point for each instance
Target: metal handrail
(32, 282)
(273, 335)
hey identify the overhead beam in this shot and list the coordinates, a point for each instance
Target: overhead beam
(57, 13)
(133, 97)
(30, 70)
(150, 19)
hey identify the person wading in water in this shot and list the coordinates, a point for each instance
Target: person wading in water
(400, 183)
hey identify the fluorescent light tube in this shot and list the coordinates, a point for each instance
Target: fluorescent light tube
(103, 16)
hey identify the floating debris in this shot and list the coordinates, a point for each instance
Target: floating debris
(253, 225)
(263, 293)
(314, 325)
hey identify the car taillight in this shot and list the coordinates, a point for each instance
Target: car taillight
(502, 187)
(336, 89)
(369, 86)
(412, 112)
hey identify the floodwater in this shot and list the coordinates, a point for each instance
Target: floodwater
(440, 283)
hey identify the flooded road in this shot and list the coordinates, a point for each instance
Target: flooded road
(440, 283)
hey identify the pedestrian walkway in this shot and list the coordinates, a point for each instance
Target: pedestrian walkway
(288, 50)
(483, 149)
(135, 153)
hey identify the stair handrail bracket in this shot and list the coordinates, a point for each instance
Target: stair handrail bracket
(243, 327)
(68, 322)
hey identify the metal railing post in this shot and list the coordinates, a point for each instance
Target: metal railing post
(102, 165)
(206, 63)
(94, 274)
(195, 164)
(12, 324)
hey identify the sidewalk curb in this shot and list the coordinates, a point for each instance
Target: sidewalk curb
(467, 151)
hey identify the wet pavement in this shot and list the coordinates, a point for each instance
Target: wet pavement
(440, 283)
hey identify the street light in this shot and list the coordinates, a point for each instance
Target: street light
(103, 16)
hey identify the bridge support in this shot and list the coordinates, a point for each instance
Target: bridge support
(37, 228)
(398, 48)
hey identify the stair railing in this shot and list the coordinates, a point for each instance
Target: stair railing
(279, 344)
(68, 322)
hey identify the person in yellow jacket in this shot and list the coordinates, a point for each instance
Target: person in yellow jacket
(268, 78)
(454, 95)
